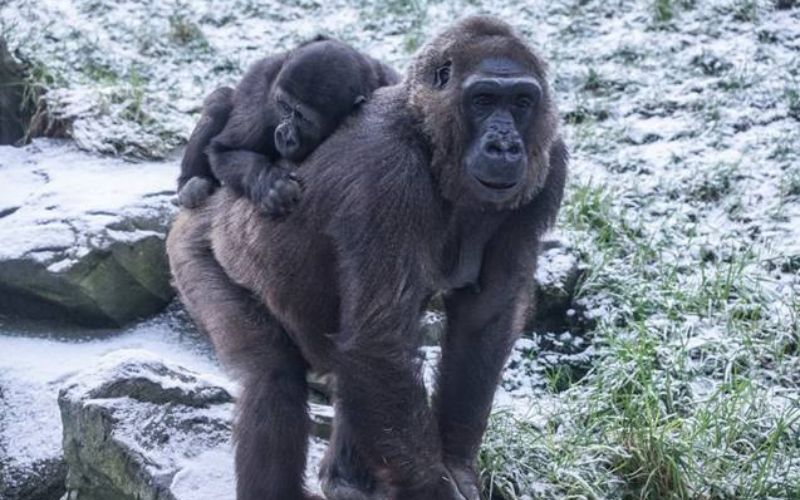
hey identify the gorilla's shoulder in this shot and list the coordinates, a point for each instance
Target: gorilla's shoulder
(381, 140)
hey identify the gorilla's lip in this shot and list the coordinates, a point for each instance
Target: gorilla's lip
(495, 185)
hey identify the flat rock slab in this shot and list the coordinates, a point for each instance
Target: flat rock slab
(83, 236)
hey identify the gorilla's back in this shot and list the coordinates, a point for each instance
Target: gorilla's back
(359, 170)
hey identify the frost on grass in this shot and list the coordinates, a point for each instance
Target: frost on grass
(127, 78)
(685, 148)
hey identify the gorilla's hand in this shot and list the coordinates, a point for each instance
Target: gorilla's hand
(195, 192)
(275, 191)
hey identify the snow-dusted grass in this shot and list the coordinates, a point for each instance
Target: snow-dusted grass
(683, 203)
(683, 117)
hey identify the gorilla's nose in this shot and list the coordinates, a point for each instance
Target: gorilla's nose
(503, 146)
(287, 140)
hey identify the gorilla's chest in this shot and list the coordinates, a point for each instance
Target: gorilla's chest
(465, 244)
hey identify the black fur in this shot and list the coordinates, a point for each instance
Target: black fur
(284, 107)
(391, 215)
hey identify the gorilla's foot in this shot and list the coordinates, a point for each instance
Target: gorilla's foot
(338, 484)
(466, 481)
(338, 489)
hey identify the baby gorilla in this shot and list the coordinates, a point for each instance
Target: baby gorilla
(284, 107)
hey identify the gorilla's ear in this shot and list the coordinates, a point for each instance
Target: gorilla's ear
(360, 99)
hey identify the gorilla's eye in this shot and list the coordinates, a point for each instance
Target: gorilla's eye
(442, 75)
(523, 101)
(484, 99)
(285, 108)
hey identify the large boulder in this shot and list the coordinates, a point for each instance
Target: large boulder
(82, 236)
(136, 427)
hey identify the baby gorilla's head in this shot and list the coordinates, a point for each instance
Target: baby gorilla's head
(320, 84)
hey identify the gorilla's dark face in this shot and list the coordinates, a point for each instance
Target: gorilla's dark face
(301, 128)
(499, 101)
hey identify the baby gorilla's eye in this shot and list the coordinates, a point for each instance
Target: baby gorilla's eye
(285, 108)
(442, 75)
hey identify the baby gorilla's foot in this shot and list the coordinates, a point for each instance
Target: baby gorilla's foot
(275, 192)
(195, 192)
(282, 196)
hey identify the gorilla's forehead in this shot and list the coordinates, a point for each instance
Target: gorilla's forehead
(500, 66)
(500, 71)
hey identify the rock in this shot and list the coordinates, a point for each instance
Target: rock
(31, 465)
(136, 427)
(140, 428)
(557, 276)
(321, 420)
(547, 362)
(41, 480)
(83, 236)
(434, 325)
(14, 116)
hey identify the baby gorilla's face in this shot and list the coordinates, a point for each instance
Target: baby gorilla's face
(301, 128)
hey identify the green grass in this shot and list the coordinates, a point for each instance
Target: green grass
(745, 10)
(663, 10)
(185, 32)
(676, 405)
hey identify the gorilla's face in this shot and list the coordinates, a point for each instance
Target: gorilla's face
(301, 128)
(499, 101)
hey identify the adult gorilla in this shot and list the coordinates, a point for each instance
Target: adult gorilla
(444, 182)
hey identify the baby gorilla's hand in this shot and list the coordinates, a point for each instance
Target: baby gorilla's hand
(275, 191)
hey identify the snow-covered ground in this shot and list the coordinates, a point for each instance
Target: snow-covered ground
(36, 361)
(683, 118)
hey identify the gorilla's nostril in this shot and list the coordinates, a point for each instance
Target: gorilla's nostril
(514, 149)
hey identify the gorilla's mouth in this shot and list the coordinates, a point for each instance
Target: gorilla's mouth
(495, 185)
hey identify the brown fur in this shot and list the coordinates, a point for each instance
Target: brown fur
(385, 222)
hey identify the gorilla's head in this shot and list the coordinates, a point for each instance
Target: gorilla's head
(483, 97)
(319, 85)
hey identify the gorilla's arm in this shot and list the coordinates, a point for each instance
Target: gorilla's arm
(482, 327)
(382, 286)
(243, 155)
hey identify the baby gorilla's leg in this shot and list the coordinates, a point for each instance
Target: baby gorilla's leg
(195, 192)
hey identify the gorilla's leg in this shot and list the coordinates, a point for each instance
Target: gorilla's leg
(482, 328)
(272, 424)
(344, 473)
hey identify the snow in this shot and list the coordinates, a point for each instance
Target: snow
(33, 369)
(63, 199)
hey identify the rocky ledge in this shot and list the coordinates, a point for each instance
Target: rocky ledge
(82, 236)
